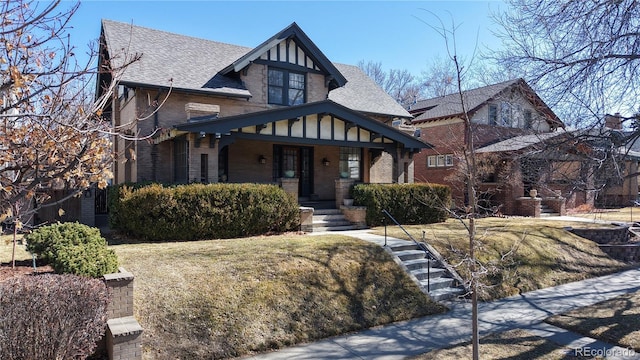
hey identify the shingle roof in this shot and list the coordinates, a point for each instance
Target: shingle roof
(519, 142)
(363, 94)
(192, 63)
(196, 64)
(449, 105)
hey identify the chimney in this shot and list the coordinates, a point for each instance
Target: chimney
(613, 122)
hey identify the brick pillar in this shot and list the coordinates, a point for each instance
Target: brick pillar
(290, 186)
(342, 190)
(123, 338)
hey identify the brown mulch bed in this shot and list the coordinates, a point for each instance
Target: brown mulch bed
(23, 268)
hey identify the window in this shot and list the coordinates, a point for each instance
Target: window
(528, 119)
(286, 88)
(505, 114)
(350, 160)
(440, 160)
(493, 114)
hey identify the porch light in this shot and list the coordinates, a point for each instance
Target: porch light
(262, 159)
(325, 162)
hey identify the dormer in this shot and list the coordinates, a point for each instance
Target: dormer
(293, 66)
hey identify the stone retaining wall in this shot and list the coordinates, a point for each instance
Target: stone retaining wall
(623, 252)
(618, 235)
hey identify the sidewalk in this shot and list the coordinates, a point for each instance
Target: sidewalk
(417, 336)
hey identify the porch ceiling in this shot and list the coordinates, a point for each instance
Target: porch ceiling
(228, 124)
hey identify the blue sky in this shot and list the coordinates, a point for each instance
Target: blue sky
(390, 32)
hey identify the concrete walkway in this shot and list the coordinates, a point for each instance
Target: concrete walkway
(526, 311)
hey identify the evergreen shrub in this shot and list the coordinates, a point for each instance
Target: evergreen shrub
(73, 248)
(407, 203)
(202, 211)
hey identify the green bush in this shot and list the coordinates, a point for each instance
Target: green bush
(51, 317)
(73, 248)
(407, 203)
(198, 211)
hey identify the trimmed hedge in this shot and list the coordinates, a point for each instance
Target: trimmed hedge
(202, 211)
(73, 248)
(407, 203)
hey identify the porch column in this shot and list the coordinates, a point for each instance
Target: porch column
(214, 145)
(404, 167)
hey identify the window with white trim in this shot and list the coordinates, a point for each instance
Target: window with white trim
(440, 160)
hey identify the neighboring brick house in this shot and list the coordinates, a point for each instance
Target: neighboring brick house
(512, 129)
(280, 112)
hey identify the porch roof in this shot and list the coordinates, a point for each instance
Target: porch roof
(225, 125)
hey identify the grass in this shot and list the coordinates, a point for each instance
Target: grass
(225, 298)
(6, 249)
(616, 321)
(513, 345)
(519, 254)
(628, 214)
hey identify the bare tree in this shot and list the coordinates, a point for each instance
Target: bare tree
(400, 84)
(469, 172)
(439, 80)
(53, 134)
(582, 55)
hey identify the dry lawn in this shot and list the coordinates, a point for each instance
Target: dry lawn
(520, 254)
(628, 214)
(512, 345)
(226, 298)
(616, 321)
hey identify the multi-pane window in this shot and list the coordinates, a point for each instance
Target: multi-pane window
(493, 114)
(506, 115)
(528, 119)
(286, 87)
(350, 161)
(440, 160)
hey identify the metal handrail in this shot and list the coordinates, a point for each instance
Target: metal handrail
(420, 245)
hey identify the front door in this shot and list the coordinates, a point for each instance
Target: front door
(295, 161)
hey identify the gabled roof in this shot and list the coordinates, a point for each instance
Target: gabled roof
(521, 142)
(204, 66)
(226, 124)
(168, 59)
(449, 106)
(294, 32)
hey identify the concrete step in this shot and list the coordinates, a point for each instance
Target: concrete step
(336, 228)
(328, 217)
(410, 245)
(446, 293)
(326, 212)
(433, 272)
(437, 283)
(410, 254)
(416, 264)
